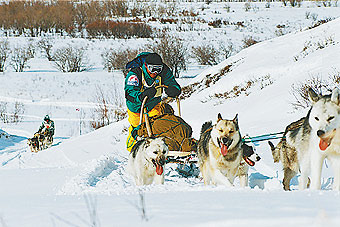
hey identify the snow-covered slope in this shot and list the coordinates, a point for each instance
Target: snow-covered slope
(46, 188)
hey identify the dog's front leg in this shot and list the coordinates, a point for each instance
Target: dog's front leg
(159, 179)
(243, 175)
(335, 162)
(316, 168)
(219, 178)
(305, 170)
(243, 180)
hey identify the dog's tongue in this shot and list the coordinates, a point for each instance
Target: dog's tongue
(323, 144)
(159, 169)
(224, 150)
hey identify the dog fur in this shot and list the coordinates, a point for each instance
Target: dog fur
(220, 153)
(147, 161)
(34, 143)
(332, 152)
(287, 154)
(312, 140)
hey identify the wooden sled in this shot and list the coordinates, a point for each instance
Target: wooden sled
(183, 157)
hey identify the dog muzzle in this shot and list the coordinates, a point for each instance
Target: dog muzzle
(324, 141)
(159, 165)
(224, 144)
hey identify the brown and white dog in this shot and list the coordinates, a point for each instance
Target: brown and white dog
(147, 160)
(220, 153)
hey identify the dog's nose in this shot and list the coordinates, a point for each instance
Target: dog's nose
(225, 140)
(320, 132)
(258, 158)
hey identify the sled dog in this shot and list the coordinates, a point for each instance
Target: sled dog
(220, 153)
(331, 139)
(287, 154)
(147, 160)
(312, 140)
(34, 143)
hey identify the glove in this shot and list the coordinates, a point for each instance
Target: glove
(172, 91)
(149, 92)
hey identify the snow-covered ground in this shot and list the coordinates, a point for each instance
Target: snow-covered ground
(81, 180)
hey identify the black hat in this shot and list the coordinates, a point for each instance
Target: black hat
(153, 59)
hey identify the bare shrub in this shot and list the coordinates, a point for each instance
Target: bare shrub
(45, 44)
(244, 88)
(19, 109)
(248, 41)
(173, 52)
(19, 58)
(293, 3)
(116, 59)
(109, 108)
(118, 29)
(71, 59)
(312, 46)
(216, 23)
(300, 91)
(206, 54)
(320, 22)
(3, 112)
(247, 6)
(4, 53)
(226, 49)
(15, 115)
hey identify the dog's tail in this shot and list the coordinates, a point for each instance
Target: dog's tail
(275, 150)
(206, 127)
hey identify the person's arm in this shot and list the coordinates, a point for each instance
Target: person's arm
(132, 88)
(168, 79)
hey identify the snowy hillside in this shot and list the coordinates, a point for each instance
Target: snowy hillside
(81, 180)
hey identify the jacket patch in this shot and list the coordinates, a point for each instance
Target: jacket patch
(133, 80)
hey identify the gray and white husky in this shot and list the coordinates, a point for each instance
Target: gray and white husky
(220, 153)
(147, 160)
(313, 138)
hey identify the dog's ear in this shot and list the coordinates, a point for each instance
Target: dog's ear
(313, 96)
(335, 96)
(235, 120)
(219, 117)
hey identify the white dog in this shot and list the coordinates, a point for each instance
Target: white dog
(313, 139)
(147, 160)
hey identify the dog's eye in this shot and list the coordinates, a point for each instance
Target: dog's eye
(220, 130)
(155, 152)
(231, 131)
(316, 118)
(330, 118)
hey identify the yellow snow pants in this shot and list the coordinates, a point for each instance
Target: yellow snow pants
(134, 122)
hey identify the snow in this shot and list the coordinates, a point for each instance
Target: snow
(81, 179)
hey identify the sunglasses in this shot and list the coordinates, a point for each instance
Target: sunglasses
(155, 68)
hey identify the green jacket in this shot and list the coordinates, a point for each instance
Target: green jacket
(134, 87)
(50, 129)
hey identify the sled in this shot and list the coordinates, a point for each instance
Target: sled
(186, 160)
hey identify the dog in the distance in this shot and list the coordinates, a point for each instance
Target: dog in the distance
(34, 143)
(313, 139)
(147, 161)
(220, 153)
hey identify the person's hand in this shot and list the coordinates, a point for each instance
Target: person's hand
(149, 92)
(172, 91)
